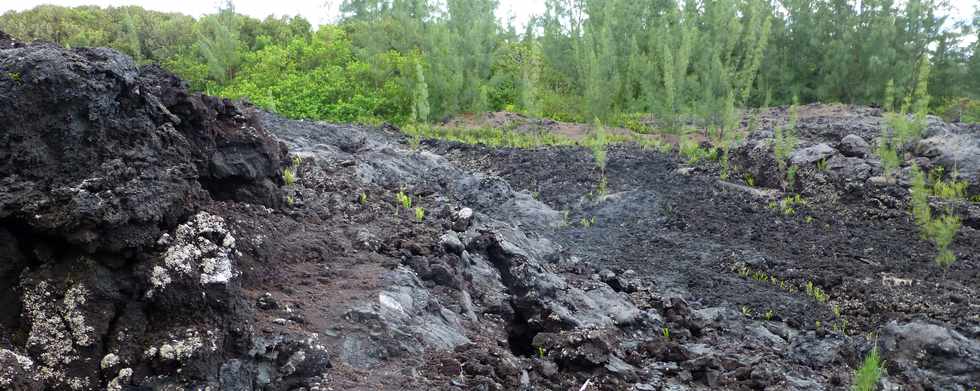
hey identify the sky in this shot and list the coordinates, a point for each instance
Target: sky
(325, 11)
(316, 11)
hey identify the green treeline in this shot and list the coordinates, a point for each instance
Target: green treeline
(421, 60)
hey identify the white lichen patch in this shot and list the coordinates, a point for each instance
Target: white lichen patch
(58, 328)
(75, 297)
(177, 349)
(122, 378)
(110, 360)
(13, 368)
(201, 248)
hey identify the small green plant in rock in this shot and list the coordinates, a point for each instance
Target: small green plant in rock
(815, 292)
(419, 214)
(788, 205)
(822, 165)
(770, 314)
(941, 229)
(586, 223)
(415, 142)
(746, 311)
(921, 210)
(655, 144)
(869, 374)
(840, 323)
(603, 188)
(692, 150)
(289, 173)
(540, 352)
(403, 199)
(949, 190)
(289, 176)
(785, 138)
(890, 161)
(598, 145)
(666, 333)
(749, 180)
(290, 200)
(363, 198)
(791, 176)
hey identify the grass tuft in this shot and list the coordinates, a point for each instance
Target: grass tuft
(866, 378)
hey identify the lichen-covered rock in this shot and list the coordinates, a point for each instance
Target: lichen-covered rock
(17, 372)
(67, 311)
(100, 161)
(201, 249)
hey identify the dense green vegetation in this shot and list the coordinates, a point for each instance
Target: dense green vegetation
(688, 62)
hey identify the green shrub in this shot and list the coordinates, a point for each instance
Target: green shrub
(692, 150)
(321, 78)
(940, 230)
(791, 176)
(960, 110)
(949, 190)
(890, 161)
(866, 378)
(633, 122)
(943, 230)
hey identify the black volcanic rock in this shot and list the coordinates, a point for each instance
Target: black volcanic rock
(111, 269)
(105, 154)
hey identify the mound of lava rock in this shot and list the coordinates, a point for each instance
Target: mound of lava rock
(108, 268)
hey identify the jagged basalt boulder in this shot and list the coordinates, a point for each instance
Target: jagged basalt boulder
(104, 154)
(111, 272)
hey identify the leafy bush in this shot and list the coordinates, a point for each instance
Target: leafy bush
(319, 78)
